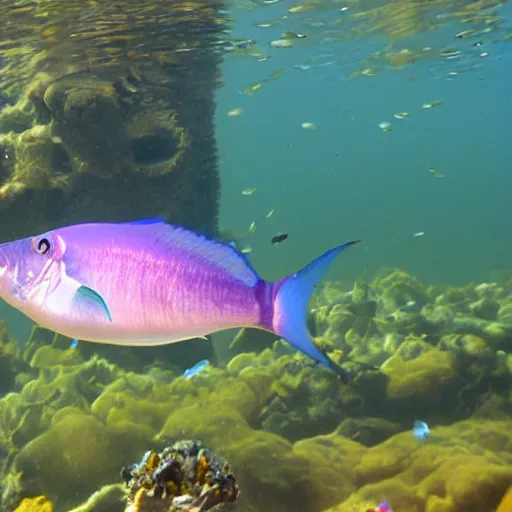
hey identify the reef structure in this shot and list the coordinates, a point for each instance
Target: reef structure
(108, 115)
(184, 476)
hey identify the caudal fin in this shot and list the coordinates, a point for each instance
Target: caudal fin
(291, 297)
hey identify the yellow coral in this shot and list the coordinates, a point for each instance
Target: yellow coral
(506, 502)
(39, 504)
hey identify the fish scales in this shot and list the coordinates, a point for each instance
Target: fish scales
(168, 282)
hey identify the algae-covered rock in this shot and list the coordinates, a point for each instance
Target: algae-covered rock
(110, 498)
(427, 383)
(11, 362)
(367, 431)
(397, 289)
(330, 459)
(456, 471)
(39, 504)
(78, 444)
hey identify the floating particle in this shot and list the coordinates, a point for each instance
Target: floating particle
(236, 112)
(435, 172)
(248, 191)
(484, 54)
(401, 115)
(344, 8)
(246, 250)
(419, 233)
(309, 126)
(421, 430)
(385, 126)
(281, 237)
(281, 43)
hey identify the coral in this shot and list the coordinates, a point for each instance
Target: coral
(39, 504)
(184, 476)
(506, 503)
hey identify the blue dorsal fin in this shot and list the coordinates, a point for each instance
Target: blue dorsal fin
(155, 220)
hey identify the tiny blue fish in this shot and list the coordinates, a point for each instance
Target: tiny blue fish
(420, 430)
(73, 344)
(196, 369)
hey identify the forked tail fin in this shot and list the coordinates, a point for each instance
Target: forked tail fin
(291, 297)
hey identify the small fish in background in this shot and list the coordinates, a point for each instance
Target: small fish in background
(432, 104)
(248, 191)
(196, 369)
(435, 172)
(308, 126)
(279, 238)
(419, 233)
(420, 430)
(385, 126)
(73, 344)
(382, 507)
(236, 112)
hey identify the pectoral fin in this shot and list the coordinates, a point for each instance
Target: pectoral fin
(91, 300)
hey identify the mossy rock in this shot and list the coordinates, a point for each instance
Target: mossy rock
(77, 446)
(456, 470)
(423, 385)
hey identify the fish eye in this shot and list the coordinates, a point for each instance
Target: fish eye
(42, 246)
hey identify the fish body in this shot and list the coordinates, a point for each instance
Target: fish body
(149, 283)
(421, 430)
(196, 369)
(279, 238)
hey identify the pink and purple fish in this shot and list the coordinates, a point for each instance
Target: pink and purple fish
(149, 283)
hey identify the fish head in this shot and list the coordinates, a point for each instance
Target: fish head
(30, 269)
